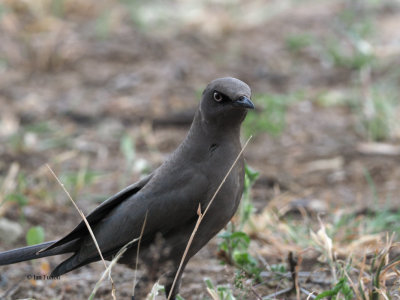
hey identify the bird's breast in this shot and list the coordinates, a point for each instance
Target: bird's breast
(229, 195)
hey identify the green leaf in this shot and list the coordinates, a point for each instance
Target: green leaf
(35, 235)
(244, 258)
(341, 286)
(251, 174)
(17, 198)
(278, 268)
(209, 283)
(127, 147)
(241, 237)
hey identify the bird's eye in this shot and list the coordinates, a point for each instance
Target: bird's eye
(217, 97)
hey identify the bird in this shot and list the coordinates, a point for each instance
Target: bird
(168, 198)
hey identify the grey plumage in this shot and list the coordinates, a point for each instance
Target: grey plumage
(169, 196)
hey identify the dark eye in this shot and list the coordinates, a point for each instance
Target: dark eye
(217, 97)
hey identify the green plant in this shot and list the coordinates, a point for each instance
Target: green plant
(35, 235)
(235, 243)
(374, 106)
(103, 25)
(350, 47)
(147, 15)
(76, 181)
(278, 268)
(18, 195)
(40, 135)
(57, 8)
(270, 115)
(377, 117)
(375, 221)
(356, 57)
(18, 198)
(219, 292)
(342, 287)
(127, 147)
(297, 42)
(246, 207)
(371, 185)
(3, 10)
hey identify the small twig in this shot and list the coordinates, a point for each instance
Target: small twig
(278, 293)
(391, 265)
(304, 275)
(293, 265)
(201, 216)
(88, 227)
(137, 255)
(299, 262)
(255, 293)
(383, 149)
(310, 295)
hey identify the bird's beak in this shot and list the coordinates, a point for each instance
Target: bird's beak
(244, 102)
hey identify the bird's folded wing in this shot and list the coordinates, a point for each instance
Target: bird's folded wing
(100, 212)
(167, 209)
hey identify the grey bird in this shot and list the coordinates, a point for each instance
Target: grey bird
(169, 197)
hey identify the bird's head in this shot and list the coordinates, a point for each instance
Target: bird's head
(226, 101)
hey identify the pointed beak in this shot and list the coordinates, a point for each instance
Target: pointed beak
(244, 102)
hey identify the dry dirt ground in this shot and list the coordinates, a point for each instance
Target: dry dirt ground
(74, 80)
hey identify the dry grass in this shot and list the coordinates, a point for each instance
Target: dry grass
(92, 235)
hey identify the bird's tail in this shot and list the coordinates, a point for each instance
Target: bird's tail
(32, 252)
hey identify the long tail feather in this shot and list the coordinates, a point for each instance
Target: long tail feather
(31, 252)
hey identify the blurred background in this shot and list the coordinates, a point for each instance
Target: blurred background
(103, 91)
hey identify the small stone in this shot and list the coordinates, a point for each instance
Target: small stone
(10, 231)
